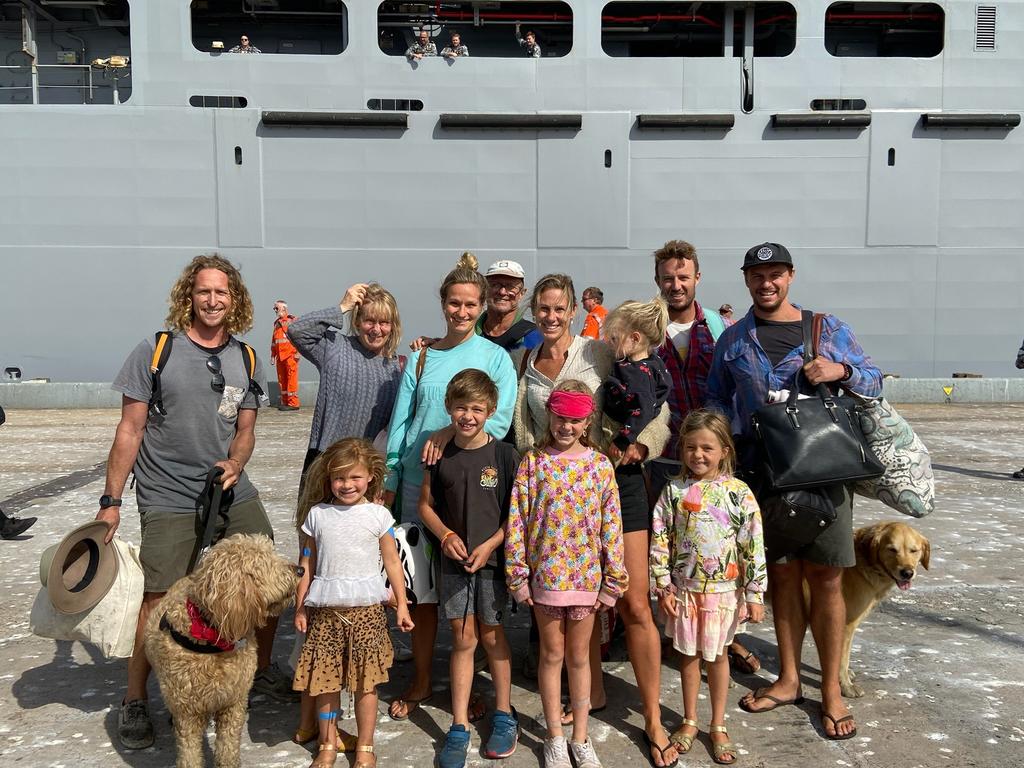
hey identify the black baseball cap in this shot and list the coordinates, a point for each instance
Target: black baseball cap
(767, 253)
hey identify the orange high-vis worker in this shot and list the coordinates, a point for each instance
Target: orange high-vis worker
(593, 325)
(284, 355)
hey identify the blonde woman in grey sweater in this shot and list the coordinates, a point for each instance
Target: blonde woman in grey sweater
(562, 356)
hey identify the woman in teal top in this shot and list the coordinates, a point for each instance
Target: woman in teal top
(420, 414)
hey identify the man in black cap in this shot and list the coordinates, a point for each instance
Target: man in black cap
(756, 361)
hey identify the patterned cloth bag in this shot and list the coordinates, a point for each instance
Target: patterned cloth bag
(908, 485)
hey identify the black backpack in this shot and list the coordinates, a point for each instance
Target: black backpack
(162, 351)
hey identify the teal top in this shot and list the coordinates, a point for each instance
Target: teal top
(419, 408)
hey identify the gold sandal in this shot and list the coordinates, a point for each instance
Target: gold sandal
(721, 749)
(321, 760)
(683, 741)
(359, 763)
(346, 740)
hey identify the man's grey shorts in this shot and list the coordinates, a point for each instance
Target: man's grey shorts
(482, 594)
(169, 536)
(834, 547)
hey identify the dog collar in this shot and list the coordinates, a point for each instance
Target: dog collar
(202, 638)
(202, 630)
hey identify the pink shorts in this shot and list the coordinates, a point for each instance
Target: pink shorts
(573, 612)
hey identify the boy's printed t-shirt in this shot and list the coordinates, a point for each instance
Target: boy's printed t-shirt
(472, 490)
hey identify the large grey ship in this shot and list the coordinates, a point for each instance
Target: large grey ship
(878, 140)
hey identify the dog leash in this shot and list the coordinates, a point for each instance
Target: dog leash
(210, 505)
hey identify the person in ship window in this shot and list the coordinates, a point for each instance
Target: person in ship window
(423, 46)
(455, 48)
(528, 43)
(245, 46)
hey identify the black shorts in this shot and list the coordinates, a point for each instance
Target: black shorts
(636, 514)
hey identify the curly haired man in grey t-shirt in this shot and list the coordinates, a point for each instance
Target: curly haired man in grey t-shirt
(207, 419)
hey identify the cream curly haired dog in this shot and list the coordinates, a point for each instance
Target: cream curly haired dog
(200, 640)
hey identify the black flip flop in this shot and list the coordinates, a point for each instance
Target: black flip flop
(661, 751)
(835, 736)
(776, 702)
(410, 705)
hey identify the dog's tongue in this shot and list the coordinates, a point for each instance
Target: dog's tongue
(903, 585)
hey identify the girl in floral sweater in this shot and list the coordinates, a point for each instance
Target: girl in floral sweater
(564, 557)
(707, 560)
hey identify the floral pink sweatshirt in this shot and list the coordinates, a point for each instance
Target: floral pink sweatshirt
(563, 543)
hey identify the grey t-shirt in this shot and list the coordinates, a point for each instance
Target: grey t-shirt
(178, 450)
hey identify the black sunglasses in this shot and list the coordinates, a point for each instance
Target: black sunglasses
(213, 366)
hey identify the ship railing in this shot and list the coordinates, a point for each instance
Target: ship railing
(87, 87)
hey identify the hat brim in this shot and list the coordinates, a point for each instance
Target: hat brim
(92, 578)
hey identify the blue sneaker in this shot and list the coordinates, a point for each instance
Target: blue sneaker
(504, 735)
(456, 747)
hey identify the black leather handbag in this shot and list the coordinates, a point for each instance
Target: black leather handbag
(812, 442)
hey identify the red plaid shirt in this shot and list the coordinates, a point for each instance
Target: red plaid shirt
(689, 378)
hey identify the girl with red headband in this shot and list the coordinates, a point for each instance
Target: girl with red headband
(564, 557)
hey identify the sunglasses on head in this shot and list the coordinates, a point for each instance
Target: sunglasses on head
(213, 366)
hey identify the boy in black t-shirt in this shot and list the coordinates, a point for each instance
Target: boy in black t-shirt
(464, 502)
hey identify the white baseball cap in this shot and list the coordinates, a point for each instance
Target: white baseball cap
(506, 267)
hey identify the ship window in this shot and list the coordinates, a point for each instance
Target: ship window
(913, 30)
(219, 102)
(488, 30)
(295, 27)
(395, 105)
(694, 30)
(82, 53)
(839, 105)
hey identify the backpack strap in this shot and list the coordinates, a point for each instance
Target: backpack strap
(520, 329)
(524, 363)
(715, 323)
(249, 359)
(161, 352)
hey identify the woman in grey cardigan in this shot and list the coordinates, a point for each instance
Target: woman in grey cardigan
(359, 371)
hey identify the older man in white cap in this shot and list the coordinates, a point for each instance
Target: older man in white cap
(502, 322)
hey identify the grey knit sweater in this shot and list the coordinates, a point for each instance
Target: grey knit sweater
(357, 388)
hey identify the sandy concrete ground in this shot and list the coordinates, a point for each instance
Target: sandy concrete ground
(942, 664)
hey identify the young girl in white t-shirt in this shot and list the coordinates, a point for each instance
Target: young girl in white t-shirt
(339, 598)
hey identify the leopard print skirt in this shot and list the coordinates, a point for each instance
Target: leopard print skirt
(345, 648)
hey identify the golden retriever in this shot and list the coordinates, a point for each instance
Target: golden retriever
(887, 556)
(205, 660)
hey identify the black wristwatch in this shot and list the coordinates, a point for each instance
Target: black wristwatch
(847, 372)
(109, 501)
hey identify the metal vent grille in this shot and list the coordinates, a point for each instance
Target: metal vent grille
(985, 28)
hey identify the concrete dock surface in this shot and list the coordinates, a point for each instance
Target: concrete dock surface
(942, 664)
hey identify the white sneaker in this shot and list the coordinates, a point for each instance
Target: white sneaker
(556, 753)
(584, 754)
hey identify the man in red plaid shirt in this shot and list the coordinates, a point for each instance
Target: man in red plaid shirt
(687, 350)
